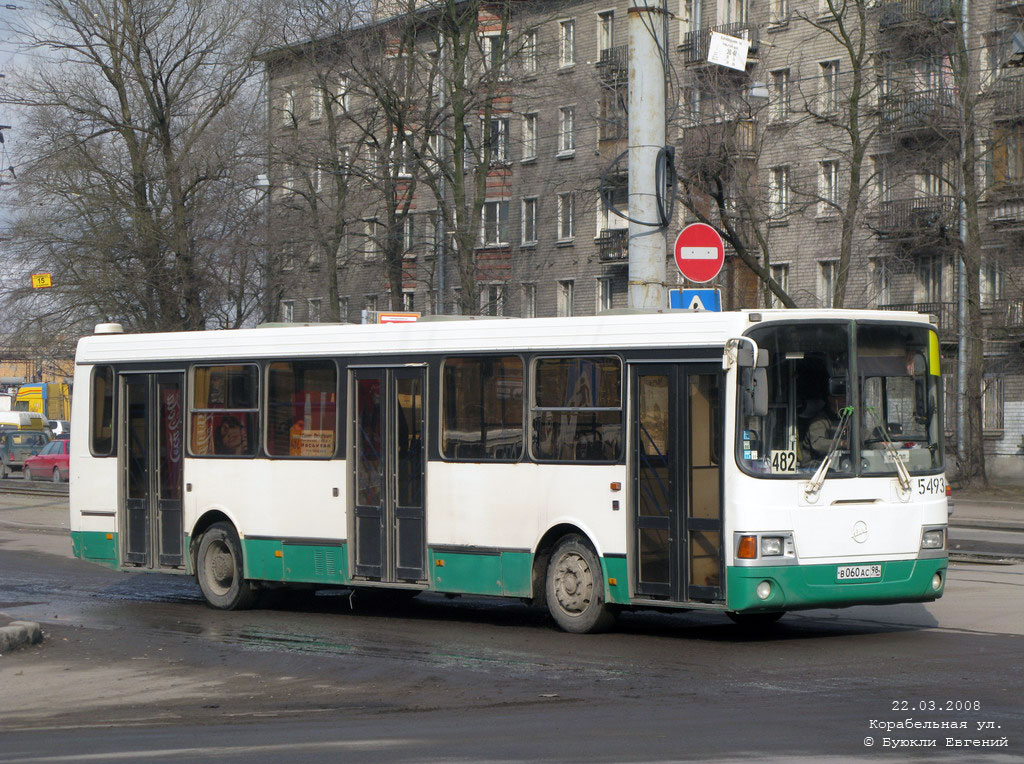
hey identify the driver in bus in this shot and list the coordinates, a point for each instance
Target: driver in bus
(822, 428)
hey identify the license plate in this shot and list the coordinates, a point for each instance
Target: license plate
(858, 572)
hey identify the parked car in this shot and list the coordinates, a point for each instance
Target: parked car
(18, 445)
(52, 463)
(61, 428)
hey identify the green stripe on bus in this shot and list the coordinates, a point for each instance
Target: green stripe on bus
(95, 546)
(799, 587)
(506, 574)
(616, 570)
(273, 560)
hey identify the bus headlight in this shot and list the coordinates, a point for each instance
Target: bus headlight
(772, 546)
(933, 539)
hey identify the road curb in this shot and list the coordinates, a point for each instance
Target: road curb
(19, 634)
(999, 525)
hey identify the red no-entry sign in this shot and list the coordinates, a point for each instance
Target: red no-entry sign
(700, 252)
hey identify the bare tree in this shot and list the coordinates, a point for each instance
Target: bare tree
(138, 189)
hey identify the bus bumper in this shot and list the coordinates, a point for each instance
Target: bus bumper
(799, 587)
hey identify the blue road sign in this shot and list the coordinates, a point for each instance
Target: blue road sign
(695, 299)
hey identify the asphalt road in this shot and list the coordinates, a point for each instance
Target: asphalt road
(137, 668)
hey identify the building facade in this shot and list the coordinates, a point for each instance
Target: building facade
(831, 99)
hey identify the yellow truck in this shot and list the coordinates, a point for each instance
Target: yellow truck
(51, 399)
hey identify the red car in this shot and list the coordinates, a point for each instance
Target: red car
(49, 464)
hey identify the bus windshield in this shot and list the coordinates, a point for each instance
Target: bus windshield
(867, 394)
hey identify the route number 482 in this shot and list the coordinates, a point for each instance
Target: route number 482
(931, 486)
(783, 461)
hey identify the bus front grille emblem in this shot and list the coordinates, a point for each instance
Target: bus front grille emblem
(860, 532)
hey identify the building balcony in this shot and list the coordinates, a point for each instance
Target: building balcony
(1006, 320)
(613, 245)
(1015, 7)
(709, 147)
(1008, 100)
(613, 64)
(915, 16)
(945, 314)
(930, 217)
(1008, 213)
(924, 112)
(695, 44)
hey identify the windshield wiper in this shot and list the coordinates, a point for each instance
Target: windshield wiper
(902, 474)
(818, 479)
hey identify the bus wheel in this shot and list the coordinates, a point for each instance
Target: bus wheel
(575, 590)
(219, 569)
(755, 620)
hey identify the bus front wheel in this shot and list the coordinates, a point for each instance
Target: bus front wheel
(575, 588)
(219, 569)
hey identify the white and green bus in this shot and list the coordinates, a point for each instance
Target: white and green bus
(746, 462)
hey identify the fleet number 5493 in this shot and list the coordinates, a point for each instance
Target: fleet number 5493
(931, 486)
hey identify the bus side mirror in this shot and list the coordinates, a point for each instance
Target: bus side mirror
(745, 357)
(755, 391)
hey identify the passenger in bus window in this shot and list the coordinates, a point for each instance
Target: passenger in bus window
(230, 436)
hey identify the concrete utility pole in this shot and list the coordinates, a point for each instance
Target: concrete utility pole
(646, 137)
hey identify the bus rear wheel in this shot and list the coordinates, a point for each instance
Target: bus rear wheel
(219, 569)
(575, 588)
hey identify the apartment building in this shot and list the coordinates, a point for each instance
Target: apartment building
(765, 150)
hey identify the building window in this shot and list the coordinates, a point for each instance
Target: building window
(528, 301)
(371, 304)
(315, 258)
(882, 182)
(408, 235)
(287, 311)
(780, 275)
(286, 112)
(778, 192)
(409, 301)
(827, 272)
(371, 243)
(340, 101)
(929, 279)
(314, 310)
(482, 408)
(990, 280)
(529, 136)
(829, 100)
(566, 130)
(992, 404)
(603, 294)
(605, 31)
(343, 309)
(494, 46)
(529, 53)
(492, 300)
(781, 95)
(778, 12)
(566, 217)
(1008, 155)
(564, 306)
(496, 139)
(494, 223)
(567, 42)
(318, 95)
(828, 187)
(881, 281)
(529, 232)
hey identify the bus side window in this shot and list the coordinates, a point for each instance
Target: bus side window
(302, 408)
(102, 411)
(225, 410)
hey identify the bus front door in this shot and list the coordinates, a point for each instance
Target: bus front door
(152, 438)
(388, 461)
(676, 474)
